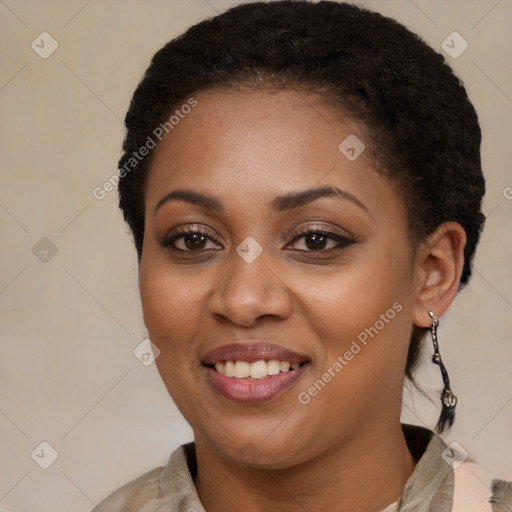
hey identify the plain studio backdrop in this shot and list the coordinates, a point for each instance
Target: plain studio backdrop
(69, 306)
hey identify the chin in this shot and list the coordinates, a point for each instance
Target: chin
(264, 452)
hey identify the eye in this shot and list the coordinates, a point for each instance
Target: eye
(316, 239)
(190, 239)
(195, 239)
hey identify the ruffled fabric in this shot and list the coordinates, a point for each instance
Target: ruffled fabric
(136, 495)
(501, 498)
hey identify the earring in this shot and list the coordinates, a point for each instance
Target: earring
(448, 399)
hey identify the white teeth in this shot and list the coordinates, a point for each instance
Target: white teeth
(273, 367)
(258, 369)
(229, 369)
(255, 369)
(242, 369)
(284, 366)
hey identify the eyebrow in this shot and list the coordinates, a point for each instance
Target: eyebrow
(280, 203)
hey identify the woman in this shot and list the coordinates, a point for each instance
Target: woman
(303, 184)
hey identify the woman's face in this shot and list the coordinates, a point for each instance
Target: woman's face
(253, 286)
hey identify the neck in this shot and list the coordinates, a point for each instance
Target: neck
(366, 472)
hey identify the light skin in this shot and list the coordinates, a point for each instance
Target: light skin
(245, 149)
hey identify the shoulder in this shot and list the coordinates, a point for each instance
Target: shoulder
(158, 489)
(475, 489)
(446, 478)
(134, 495)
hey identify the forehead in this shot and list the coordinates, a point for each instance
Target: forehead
(264, 142)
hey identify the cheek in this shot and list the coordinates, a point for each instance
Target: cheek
(169, 302)
(166, 289)
(354, 296)
(362, 314)
(170, 305)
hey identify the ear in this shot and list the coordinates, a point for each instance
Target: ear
(438, 267)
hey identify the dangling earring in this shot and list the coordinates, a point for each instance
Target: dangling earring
(448, 399)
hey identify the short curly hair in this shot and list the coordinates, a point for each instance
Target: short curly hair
(424, 131)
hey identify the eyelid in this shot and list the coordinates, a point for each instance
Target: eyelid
(188, 229)
(295, 232)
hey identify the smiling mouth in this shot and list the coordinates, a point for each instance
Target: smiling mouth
(254, 370)
(254, 382)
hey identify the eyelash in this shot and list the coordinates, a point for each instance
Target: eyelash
(343, 241)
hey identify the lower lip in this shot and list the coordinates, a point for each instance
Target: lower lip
(254, 391)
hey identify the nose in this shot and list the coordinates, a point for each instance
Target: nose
(246, 292)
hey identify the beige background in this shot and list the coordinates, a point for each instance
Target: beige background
(69, 325)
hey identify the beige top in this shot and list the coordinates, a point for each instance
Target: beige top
(441, 482)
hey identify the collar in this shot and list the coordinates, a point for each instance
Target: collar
(428, 489)
(430, 486)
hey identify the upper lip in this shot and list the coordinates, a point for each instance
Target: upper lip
(252, 351)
